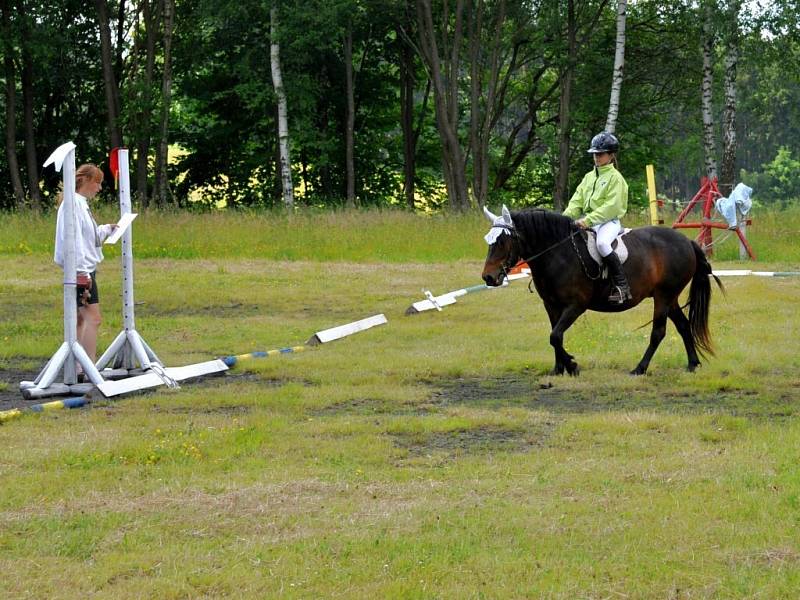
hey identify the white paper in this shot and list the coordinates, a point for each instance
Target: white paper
(123, 224)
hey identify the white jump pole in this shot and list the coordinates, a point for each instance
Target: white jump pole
(128, 347)
(70, 351)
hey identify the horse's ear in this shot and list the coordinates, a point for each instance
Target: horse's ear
(507, 216)
(489, 214)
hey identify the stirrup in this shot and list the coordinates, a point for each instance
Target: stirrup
(619, 295)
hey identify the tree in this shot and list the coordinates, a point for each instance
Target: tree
(443, 71)
(407, 75)
(110, 83)
(11, 99)
(162, 178)
(283, 127)
(28, 75)
(728, 170)
(561, 192)
(709, 145)
(581, 27)
(140, 90)
(619, 65)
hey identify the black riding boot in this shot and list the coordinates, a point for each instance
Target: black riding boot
(622, 290)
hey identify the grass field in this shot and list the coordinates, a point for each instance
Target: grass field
(432, 457)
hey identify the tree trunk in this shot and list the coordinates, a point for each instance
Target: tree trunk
(350, 124)
(561, 191)
(11, 116)
(709, 147)
(444, 76)
(31, 162)
(120, 43)
(485, 105)
(728, 167)
(162, 156)
(109, 81)
(144, 112)
(283, 124)
(406, 68)
(619, 65)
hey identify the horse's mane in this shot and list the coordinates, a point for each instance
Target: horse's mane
(544, 226)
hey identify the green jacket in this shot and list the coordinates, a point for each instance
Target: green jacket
(601, 197)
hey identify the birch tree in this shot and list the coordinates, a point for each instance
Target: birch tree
(283, 125)
(728, 168)
(709, 146)
(619, 65)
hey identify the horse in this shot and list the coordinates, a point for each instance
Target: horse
(661, 262)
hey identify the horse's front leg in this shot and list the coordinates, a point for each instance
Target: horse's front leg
(564, 360)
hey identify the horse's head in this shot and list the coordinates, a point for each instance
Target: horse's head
(503, 248)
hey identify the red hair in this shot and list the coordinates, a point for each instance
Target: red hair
(83, 174)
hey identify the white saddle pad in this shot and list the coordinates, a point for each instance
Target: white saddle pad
(618, 244)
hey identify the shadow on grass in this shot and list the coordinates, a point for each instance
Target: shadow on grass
(484, 439)
(527, 391)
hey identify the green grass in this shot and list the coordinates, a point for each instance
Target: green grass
(432, 457)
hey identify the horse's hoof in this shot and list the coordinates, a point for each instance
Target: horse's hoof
(638, 371)
(573, 369)
(691, 367)
(557, 371)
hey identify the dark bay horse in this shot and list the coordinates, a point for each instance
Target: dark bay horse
(661, 262)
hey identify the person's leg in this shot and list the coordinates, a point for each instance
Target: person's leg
(88, 324)
(89, 320)
(606, 233)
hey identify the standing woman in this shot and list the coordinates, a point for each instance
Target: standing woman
(600, 201)
(89, 237)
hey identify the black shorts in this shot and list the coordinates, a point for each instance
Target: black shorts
(94, 296)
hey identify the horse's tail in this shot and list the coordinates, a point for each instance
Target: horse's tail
(700, 300)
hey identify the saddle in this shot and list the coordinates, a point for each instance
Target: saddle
(618, 244)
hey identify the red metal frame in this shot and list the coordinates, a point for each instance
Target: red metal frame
(708, 193)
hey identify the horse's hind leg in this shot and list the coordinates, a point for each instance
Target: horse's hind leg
(657, 334)
(560, 323)
(682, 325)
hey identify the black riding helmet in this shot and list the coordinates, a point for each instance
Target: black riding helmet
(604, 142)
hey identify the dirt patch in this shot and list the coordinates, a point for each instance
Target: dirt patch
(369, 406)
(775, 558)
(14, 371)
(526, 391)
(225, 378)
(479, 440)
(228, 410)
(233, 309)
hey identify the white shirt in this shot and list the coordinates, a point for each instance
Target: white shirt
(89, 237)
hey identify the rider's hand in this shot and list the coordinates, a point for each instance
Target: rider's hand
(581, 223)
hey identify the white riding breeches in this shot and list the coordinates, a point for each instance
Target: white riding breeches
(606, 234)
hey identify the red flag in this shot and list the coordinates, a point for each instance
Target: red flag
(113, 163)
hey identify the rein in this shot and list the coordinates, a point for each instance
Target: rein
(571, 237)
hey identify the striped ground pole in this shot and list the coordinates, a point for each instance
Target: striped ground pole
(232, 360)
(744, 272)
(75, 402)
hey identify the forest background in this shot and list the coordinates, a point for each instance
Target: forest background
(424, 104)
